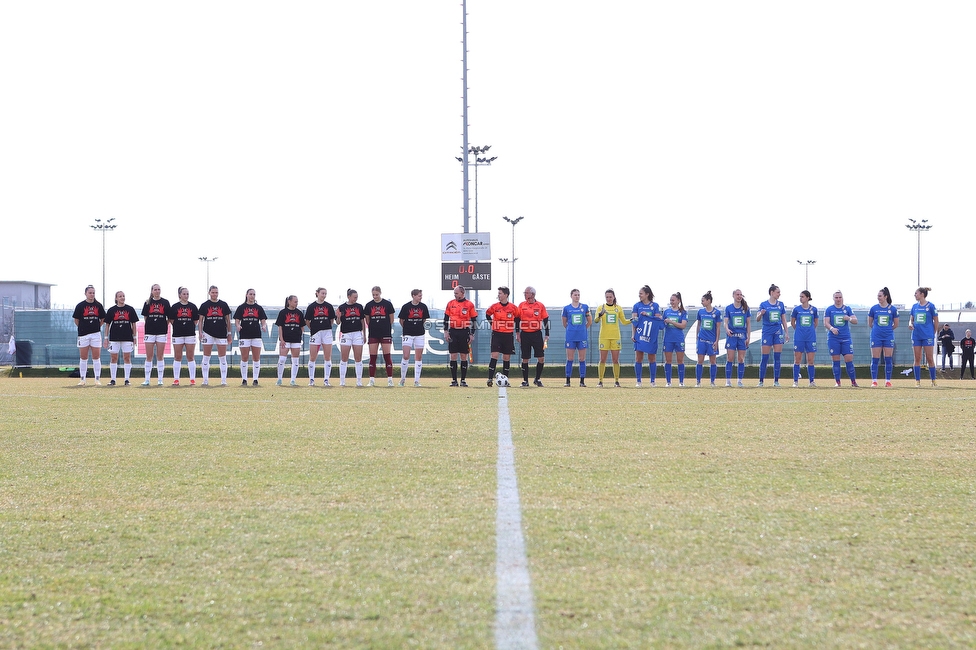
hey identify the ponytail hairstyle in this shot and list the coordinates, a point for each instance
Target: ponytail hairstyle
(745, 305)
(289, 299)
(349, 292)
(613, 293)
(924, 291)
(181, 290)
(650, 294)
(708, 296)
(772, 288)
(887, 294)
(150, 295)
(681, 305)
(807, 294)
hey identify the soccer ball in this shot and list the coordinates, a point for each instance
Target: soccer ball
(501, 379)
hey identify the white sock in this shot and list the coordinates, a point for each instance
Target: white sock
(255, 369)
(223, 368)
(148, 370)
(359, 371)
(281, 366)
(192, 365)
(244, 370)
(97, 367)
(177, 369)
(311, 370)
(127, 369)
(343, 365)
(83, 367)
(294, 368)
(416, 370)
(328, 370)
(113, 370)
(205, 368)
(404, 364)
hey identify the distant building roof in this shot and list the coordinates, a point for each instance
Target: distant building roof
(43, 284)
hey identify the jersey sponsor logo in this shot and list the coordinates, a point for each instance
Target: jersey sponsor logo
(739, 321)
(576, 319)
(884, 320)
(774, 317)
(611, 318)
(838, 320)
(921, 318)
(806, 320)
(708, 324)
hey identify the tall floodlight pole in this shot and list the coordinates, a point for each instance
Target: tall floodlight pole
(208, 260)
(504, 260)
(514, 222)
(806, 272)
(919, 227)
(104, 227)
(478, 162)
(464, 106)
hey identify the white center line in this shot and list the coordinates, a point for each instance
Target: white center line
(514, 605)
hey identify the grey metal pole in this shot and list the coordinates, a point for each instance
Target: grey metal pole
(464, 100)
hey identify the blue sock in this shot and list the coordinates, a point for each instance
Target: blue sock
(889, 366)
(712, 372)
(639, 371)
(811, 372)
(728, 371)
(667, 372)
(762, 367)
(652, 372)
(742, 371)
(836, 370)
(932, 372)
(796, 373)
(681, 373)
(569, 369)
(850, 370)
(582, 365)
(698, 373)
(918, 372)
(777, 365)
(874, 368)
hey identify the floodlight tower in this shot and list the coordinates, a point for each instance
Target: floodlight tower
(208, 260)
(806, 271)
(104, 227)
(919, 227)
(514, 223)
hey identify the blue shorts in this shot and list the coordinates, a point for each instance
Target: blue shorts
(647, 347)
(736, 342)
(882, 343)
(922, 343)
(577, 345)
(804, 346)
(707, 348)
(674, 346)
(841, 347)
(773, 338)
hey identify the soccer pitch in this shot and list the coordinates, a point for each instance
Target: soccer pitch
(366, 517)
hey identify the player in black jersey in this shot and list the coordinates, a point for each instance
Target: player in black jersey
(291, 330)
(413, 324)
(120, 334)
(89, 316)
(183, 316)
(155, 311)
(379, 320)
(251, 320)
(352, 332)
(320, 317)
(215, 330)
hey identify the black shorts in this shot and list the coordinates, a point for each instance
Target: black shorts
(503, 342)
(532, 341)
(459, 341)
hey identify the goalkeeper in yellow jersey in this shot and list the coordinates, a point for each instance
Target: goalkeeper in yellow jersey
(610, 316)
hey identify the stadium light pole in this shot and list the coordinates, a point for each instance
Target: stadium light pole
(479, 161)
(504, 260)
(104, 227)
(806, 271)
(208, 260)
(919, 227)
(514, 223)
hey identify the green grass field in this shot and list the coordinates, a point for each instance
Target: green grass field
(366, 518)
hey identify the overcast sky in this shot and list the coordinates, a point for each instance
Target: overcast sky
(690, 146)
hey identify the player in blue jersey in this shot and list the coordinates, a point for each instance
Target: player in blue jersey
(675, 322)
(882, 320)
(708, 328)
(839, 319)
(577, 321)
(647, 321)
(772, 315)
(924, 324)
(804, 319)
(737, 317)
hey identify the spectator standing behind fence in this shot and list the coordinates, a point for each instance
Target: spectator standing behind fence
(89, 316)
(945, 340)
(968, 347)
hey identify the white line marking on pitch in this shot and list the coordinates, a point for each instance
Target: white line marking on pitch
(514, 605)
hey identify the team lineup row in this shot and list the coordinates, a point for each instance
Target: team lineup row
(371, 325)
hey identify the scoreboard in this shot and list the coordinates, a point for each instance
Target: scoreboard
(470, 275)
